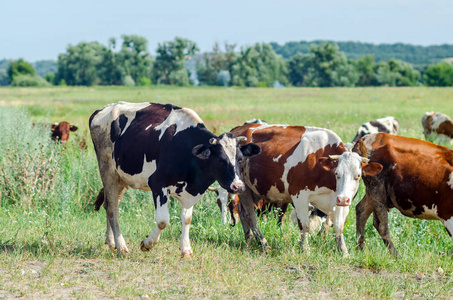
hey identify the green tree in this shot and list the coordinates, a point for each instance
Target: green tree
(109, 71)
(300, 69)
(439, 75)
(366, 69)
(133, 59)
(330, 66)
(169, 66)
(258, 65)
(19, 67)
(78, 66)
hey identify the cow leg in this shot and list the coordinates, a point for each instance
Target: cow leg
(363, 211)
(186, 218)
(302, 213)
(281, 213)
(114, 239)
(339, 219)
(449, 227)
(162, 219)
(246, 210)
(380, 222)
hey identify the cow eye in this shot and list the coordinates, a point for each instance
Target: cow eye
(357, 176)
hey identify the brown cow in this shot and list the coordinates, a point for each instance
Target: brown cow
(437, 127)
(299, 165)
(60, 131)
(417, 179)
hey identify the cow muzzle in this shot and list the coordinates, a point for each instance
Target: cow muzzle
(238, 187)
(343, 201)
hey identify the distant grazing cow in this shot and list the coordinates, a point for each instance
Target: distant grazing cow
(230, 201)
(299, 165)
(387, 125)
(255, 121)
(417, 179)
(437, 127)
(165, 149)
(60, 131)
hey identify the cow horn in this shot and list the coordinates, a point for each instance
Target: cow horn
(365, 160)
(213, 141)
(240, 139)
(334, 157)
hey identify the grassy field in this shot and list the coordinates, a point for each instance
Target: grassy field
(52, 242)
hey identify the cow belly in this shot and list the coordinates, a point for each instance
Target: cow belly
(140, 180)
(322, 198)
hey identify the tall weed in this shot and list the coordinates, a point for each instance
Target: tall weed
(28, 160)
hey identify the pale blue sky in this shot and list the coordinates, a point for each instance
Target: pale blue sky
(36, 30)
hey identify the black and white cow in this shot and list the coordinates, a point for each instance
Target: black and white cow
(386, 125)
(165, 149)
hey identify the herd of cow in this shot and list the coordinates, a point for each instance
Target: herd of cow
(168, 150)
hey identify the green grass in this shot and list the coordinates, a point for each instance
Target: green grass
(55, 248)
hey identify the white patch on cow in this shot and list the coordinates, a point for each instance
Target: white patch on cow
(139, 181)
(186, 199)
(230, 147)
(429, 213)
(312, 140)
(183, 118)
(111, 112)
(450, 180)
(389, 124)
(274, 194)
(322, 197)
(449, 226)
(223, 198)
(276, 159)
(349, 166)
(149, 126)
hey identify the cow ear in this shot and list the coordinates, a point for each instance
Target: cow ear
(73, 128)
(372, 169)
(201, 151)
(360, 148)
(53, 127)
(327, 163)
(250, 149)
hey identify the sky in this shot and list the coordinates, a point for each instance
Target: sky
(38, 30)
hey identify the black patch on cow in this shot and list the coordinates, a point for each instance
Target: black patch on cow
(117, 127)
(179, 188)
(380, 127)
(92, 117)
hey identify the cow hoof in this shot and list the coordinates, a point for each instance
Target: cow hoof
(186, 253)
(142, 247)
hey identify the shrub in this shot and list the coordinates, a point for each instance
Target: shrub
(29, 161)
(128, 81)
(29, 80)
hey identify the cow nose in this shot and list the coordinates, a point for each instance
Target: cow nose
(343, 201)
(238, 187)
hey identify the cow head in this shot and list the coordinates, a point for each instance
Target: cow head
(60, 131)
(348, 168)
(223, 155)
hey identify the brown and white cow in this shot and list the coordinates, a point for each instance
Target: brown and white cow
(60, 131)
(417, 179)
(437, 127)
(388, 125)
(299, 165)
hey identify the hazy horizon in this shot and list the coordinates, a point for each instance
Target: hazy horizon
(42, 30)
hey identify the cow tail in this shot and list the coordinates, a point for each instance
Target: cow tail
(99, 200)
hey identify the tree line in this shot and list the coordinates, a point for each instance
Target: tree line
(179, 62)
